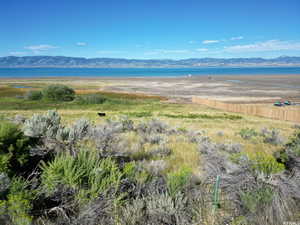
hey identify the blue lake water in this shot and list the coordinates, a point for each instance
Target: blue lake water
(142, 72)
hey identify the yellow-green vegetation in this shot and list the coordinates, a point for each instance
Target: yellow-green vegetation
(90, 101)
(147, 161)
(137, 107)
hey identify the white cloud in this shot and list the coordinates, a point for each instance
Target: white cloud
(236, 38)
(81, 43)
(210, 41)
(17, 53)
(202, 50)
(270, 45)
(40, 48)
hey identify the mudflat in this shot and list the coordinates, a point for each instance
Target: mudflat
(230, 88)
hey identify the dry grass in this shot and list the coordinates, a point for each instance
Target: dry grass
(184, 155)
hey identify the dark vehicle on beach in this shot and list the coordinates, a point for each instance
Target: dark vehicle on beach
(279, 104)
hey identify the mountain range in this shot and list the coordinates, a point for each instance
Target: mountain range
(78, 62)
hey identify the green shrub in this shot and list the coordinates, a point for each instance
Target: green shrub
(177, 181)
(266, 164)
(129, 170)
(18, 204)
(294, 143)
(134, 172)
(86, 172)
(33, 95)
(248, 133)
(91, 99)
(58, 92)
(255, 199)
(14, 148)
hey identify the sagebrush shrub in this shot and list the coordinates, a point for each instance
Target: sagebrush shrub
(132, 184)
(161, 151)
(79, 130)
(272, 136)
(99, 211)
(248, 133)
(133, 212)
(19, 119)
(255, 199)
(153, 126)
(40, 125)
(58, 92)
(157, 208)
(294, 144)
(155, 167)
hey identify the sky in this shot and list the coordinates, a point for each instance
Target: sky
(150, 29)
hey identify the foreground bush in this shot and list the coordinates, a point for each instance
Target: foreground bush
(16, 207)
(86, 173)
(127, 178)
(14, 149)
(58, 92)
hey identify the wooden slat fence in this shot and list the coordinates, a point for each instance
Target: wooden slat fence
(288, 113)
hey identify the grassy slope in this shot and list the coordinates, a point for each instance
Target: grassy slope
(139, 107)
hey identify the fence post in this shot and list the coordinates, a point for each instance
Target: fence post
(216, 194)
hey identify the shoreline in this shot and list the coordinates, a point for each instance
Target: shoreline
(258, 89)
(205, 76)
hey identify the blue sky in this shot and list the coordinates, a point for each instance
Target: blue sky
(148, 29)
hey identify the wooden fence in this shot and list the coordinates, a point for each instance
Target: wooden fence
(289, 113)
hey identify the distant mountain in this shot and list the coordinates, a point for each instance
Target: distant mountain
(77, 62)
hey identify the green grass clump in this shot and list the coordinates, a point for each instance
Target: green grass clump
(203, 116)
(266, 164)
(177, 181)
(138, 114)
(86, 172)
(253, 200)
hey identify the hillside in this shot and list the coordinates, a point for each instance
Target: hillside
(77, 62)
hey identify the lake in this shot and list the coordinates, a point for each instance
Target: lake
(142, 72)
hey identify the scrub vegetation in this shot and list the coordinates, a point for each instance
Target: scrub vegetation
(146, 162)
